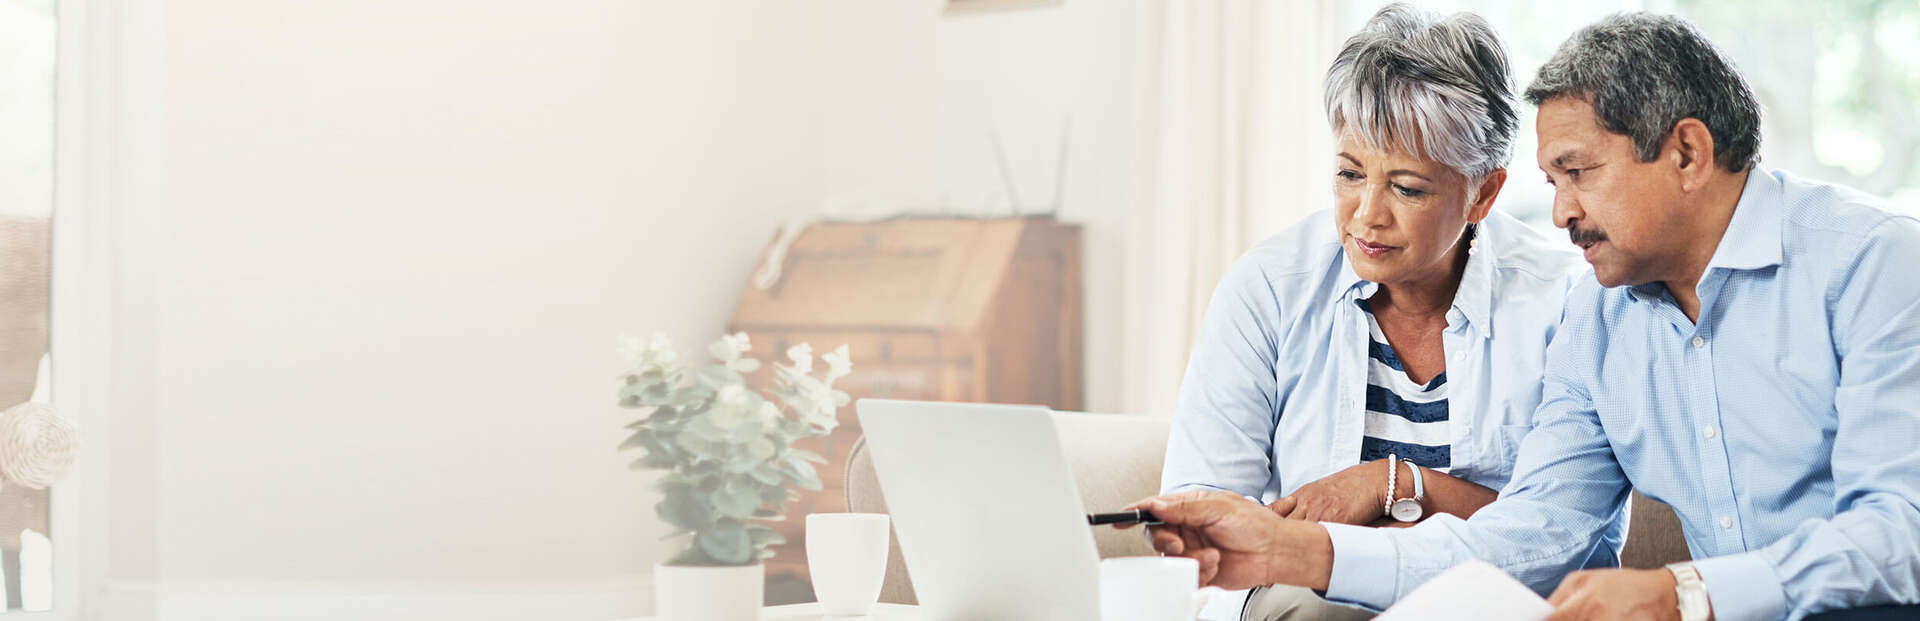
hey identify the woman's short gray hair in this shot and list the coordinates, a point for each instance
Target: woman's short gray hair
(1436, 87)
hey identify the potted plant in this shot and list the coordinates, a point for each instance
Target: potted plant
(730, 463)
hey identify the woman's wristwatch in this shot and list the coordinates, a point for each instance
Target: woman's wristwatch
(1407, 509)
(1691, 591)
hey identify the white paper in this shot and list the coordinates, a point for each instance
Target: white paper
(1471, 591)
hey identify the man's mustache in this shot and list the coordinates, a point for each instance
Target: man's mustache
(1581, 235)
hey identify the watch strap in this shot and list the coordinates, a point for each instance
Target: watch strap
(1419, 482)
(1690, 591)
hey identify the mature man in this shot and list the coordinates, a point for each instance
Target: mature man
(1750, 355)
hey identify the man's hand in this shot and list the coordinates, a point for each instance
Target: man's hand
(1616, 594)
(1238, 542)
(1356, 495)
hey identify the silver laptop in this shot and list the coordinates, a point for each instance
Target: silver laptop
(989, 518)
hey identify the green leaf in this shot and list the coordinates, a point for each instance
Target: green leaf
(702, 427)
(716, 377)
(644, 394)
(801, 473)
(763, 536)
(727, 542)
(661, 453)
(766, 473)
(761, 448)
(686, 508)
(773, 496)
(736, 501)
(807, 455)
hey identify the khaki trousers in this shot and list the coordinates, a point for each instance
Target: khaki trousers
(1292, 603)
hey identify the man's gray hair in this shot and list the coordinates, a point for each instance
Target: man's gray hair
(1436, 87)
(1643, 73)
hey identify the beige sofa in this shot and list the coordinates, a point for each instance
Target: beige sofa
(1116, 460)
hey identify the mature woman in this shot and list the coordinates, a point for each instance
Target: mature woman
(1397, 339)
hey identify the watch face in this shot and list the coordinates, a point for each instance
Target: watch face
(1406, 510)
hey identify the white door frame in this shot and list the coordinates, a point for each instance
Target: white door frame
(97, 41)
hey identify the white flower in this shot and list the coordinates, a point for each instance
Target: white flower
(730, 406)
(732, 397)
(769, 414)
(821, 417)
(738, 341)
(632, 348)
(821, 403)
(839, 363)
(642, 354)
(802, 357)
(729, 347)
(37, 445)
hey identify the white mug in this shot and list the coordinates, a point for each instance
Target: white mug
(847, 557)
(1150, 588)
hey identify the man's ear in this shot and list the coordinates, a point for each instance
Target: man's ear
(1483, 198)
(1693, 150)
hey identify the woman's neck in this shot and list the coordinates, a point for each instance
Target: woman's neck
(1429, 295)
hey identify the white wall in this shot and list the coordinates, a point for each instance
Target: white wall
(370, 316)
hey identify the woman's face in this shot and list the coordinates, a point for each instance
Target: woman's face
(1401, 217)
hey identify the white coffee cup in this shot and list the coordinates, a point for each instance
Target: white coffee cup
(1150, 588)
(847, 557)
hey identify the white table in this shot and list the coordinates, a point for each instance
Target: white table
(812, 612)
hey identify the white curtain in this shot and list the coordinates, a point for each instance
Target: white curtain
(1234, 148)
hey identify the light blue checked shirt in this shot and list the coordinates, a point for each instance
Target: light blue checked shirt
(1784, 427)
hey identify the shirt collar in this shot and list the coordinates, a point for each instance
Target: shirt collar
(1752, 240)
(1474, 298)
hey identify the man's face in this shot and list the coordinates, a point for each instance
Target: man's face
(1626, 214)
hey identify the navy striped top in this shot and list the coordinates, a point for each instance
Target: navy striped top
(1403, 418)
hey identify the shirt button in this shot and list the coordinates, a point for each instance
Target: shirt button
(1708, 432)
(1726, 522)
(1699, 342)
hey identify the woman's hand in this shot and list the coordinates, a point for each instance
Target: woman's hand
(1357, 495)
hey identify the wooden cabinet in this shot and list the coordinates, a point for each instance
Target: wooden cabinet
(931, 309)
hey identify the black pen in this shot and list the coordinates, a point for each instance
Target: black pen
(1141, 516)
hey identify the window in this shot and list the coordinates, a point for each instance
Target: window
(1836, 82)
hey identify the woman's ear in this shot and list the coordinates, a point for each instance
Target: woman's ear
(1483, 196)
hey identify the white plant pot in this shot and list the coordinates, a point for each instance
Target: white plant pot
(708, 593)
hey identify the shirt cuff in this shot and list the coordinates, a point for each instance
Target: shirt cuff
(1359, 555)
(1740, 586)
